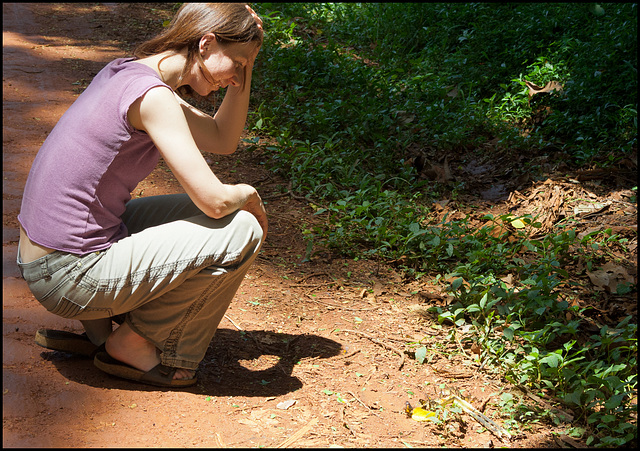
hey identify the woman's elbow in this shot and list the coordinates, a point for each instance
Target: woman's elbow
(229, 150)
(217, 212)
(221, 149)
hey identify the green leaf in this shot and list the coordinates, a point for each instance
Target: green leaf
(449, 249)
(518, 224)
(473, 308)
(445, 316)
(421, 354)
(613, 402)
(340, 398)
(597, 10)
(483, 301)
(624, 288)
(508, 333)
(553, 360)
(573, 397)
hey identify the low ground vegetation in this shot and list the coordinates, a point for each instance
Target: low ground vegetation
(378, 113)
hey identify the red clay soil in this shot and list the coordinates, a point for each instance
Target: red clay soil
(311, 353)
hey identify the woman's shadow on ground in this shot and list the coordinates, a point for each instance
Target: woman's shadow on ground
(237, 363)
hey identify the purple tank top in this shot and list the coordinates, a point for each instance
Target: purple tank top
(87, 167)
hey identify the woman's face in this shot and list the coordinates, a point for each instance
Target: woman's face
(225, 64)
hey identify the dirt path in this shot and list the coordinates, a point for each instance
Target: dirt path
(321, 334)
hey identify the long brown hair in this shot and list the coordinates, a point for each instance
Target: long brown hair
(229, 22)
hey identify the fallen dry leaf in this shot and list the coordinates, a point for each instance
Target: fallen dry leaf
(609, 277)
(284, 405)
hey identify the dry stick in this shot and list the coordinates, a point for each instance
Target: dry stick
(231, 321)
(313, 285)
(358, 399)
(30, 71)
(495, 428)
(298, 434)
(565, 415)
(367, 407)
(566, 439)
(220, 442)
(308, 276)
(375, 368)
(255, 340)
(464, 353)
(295, 196)
(348, 355)
(384, 345)
(273, 196)
(340, 306)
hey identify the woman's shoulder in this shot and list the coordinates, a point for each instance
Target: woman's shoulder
(124, 66)
(125, 74)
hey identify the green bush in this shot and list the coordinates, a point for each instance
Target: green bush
(345, 89)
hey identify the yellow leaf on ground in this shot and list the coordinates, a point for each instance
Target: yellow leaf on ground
(420, 414)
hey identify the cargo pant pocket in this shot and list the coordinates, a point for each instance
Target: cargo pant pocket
(67, 308)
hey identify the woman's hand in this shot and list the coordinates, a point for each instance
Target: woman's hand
(255, 16)
(255, 206)
(259, 24)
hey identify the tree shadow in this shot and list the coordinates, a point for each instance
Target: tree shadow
(237, 363)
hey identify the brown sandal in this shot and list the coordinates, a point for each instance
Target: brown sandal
(61, 340)
(160, 375)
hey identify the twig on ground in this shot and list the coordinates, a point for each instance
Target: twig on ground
(221, 443)
(566, 416)
(298, 434)
(348, 355)
(313, 285)
(375, 368)
(255, 340)
(366, 406)
(384, 345)
(464, 353)
(232, 322)
(295, 196)
(268, 197)
(308, 276)
(568, 440)
(491, 425)
(315, 299)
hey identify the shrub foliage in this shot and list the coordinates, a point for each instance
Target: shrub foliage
(344, 89)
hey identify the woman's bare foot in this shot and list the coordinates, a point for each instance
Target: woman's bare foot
(127, 346)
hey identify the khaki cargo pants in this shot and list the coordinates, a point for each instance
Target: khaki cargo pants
(174, 275)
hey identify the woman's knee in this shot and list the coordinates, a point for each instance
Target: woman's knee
(248, 226)
(233, 238)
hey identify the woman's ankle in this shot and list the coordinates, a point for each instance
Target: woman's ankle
(127, 346)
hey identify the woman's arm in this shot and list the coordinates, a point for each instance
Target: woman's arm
(161, 116)
(219, 134)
